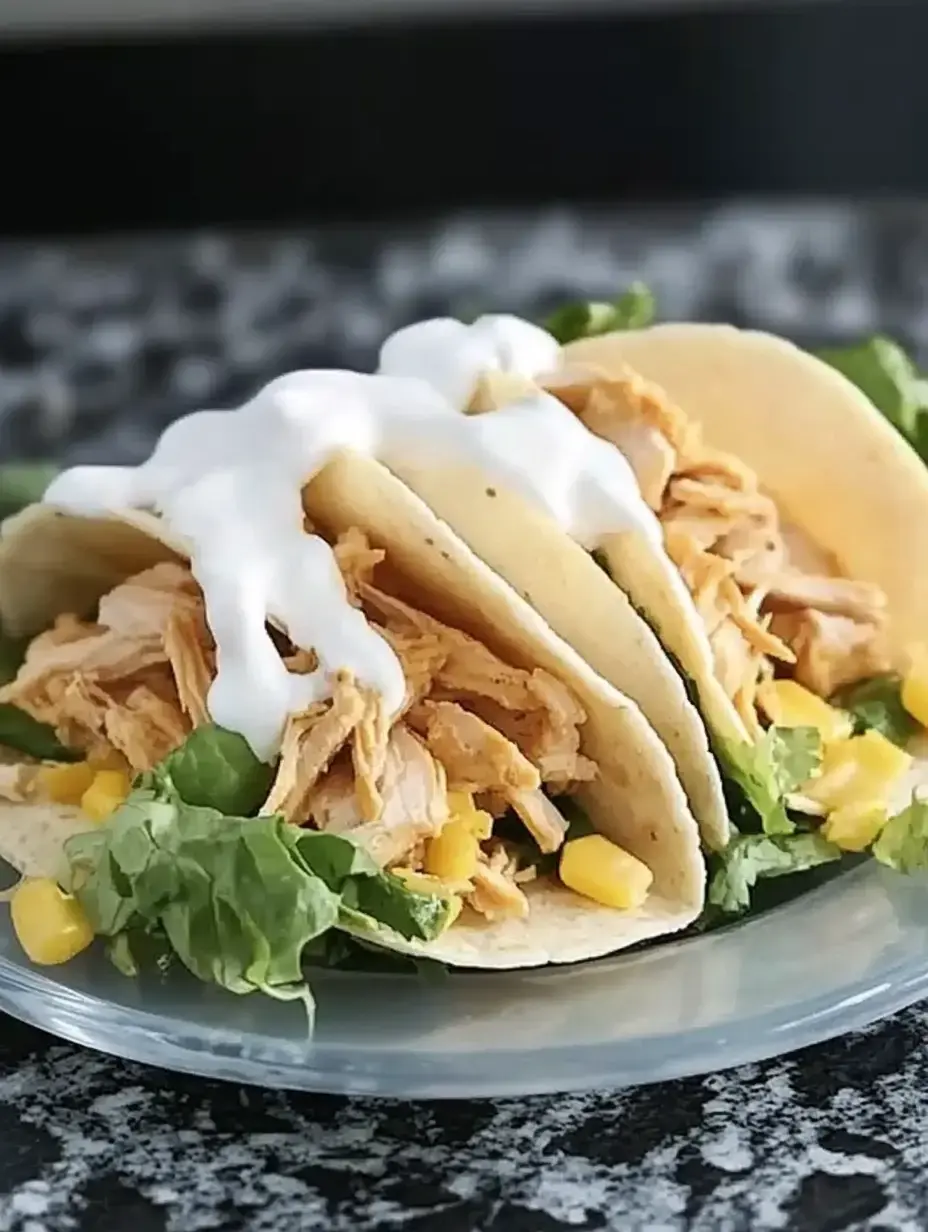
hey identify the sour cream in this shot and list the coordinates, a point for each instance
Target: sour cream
(451, 356)
(229, 484)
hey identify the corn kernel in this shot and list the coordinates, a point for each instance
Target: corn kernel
(860, 769)
(420, 883)
(855, 826)
(452, 854)
(66, 784)
(789, 704)
(914, 694)
(604, 872)
(50, 925)
(456, 904)
(461, 808)
(105, 794)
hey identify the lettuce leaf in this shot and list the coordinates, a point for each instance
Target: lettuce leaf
(903, 842)
(876, 704)
(750, 857)
(19, 730)
(235, 899)
(214, 768)
(634, 309)
(882, 370)
(22, 732)
(767, 772)
(23, 483)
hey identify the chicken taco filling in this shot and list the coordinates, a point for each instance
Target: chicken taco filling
(810, 705)
(455, 815)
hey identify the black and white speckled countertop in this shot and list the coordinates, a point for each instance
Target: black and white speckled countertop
(100, 345)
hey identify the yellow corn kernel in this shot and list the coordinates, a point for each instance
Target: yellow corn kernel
(66, 784)
(50, 925)
(855, 826)
(604, 872)
(914, 694)
(420, 883)
(461, 808)
(480, 824)
(860, 769)
(456, 903)
(105, 794)
(452, 854)
(789, 704)
(460, 802)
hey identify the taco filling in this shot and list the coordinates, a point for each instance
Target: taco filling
(472, 823)
(795, 661)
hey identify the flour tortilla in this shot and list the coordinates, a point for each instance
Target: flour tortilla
(839, 472)
(637, 800)
(561, 580)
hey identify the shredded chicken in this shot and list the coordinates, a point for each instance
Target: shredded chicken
(369, 752)
(727, 539)
(356, 560)
(496, 895)
(310, 742)
(145, 727)
(415, 801)
(191, 652)
(831, 650)
(17, 781)
(137, 680)
(476, 757)
(542, 819)
(533, 709)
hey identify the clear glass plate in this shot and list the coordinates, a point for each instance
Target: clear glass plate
(847, 953)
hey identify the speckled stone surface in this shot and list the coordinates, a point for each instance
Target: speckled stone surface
(100, 346)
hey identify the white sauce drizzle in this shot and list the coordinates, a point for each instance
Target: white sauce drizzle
(451, 356)
(229, 483)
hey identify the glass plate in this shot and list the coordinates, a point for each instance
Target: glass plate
(851, 951)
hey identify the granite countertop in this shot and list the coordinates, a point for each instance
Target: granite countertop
(102, 344)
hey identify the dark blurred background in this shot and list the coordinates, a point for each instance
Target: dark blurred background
(115, 118)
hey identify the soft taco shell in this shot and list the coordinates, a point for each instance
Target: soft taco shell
(837, 469)
(564, 584)
(637, 801)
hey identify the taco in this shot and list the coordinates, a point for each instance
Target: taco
(369, 732)
(784, 585)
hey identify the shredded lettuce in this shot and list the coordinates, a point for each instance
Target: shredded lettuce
(767, 772)
(876, 705)
(20, 731)
(903, 842)
(215, 768)
(634, 309)
(23, 483)
(750, 857)
(236, 899)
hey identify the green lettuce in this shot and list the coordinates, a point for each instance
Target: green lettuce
(634, 309)
(23, 483)
(876, 705)
(20, 731)
(215, 768)
(903, 842)
(236, 899)
(768, 771)
(751, 857)
(882, 370)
